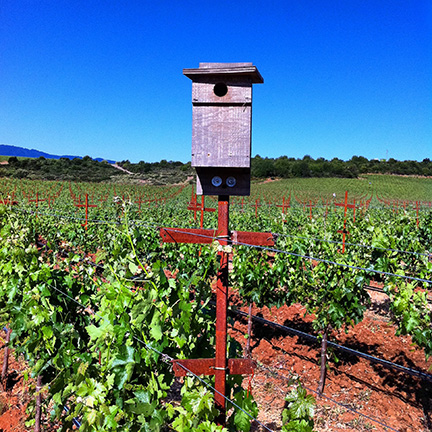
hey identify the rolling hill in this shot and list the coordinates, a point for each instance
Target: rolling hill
(9, 150)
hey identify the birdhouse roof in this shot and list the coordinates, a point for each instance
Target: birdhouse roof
(225, 69)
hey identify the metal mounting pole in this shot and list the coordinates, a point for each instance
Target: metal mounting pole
(221, 308)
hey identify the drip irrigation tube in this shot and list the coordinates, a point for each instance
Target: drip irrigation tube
(427, 254)
(380, 290)
(75, 421)
(385, 363)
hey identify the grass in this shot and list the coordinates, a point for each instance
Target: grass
(390, 187)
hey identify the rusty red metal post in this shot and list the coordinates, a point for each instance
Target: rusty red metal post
(220, 366)
(193, 205)
(86, 205)
(256, 205)
(202, 212)
(310, 205)
(346, 206)
(221, 308)
(37, 200)
(86, 211)
(285, 204)
(139, 201)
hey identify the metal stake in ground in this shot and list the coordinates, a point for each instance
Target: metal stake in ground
(86, 205)
(221, 306)
(193, 205)
(219, 366)
(6, 359)
(344, 231)
(37, 200)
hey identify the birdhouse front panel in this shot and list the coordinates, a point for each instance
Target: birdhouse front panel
(221, 136)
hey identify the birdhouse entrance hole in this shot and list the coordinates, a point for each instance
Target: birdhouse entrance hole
(220, 89)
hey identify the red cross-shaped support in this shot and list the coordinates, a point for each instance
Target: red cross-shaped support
(310, 205)
(10, 200)
(199, 207)
(37, 200)
(256, 205)
(285, 204)
(86, 205)
(344, 230)
(219, 366)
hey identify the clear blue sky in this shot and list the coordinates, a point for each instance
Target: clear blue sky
(104, 78)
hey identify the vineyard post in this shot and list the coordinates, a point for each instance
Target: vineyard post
(37, 200)
(6, 359)
(86, 205)
(310, 205)
(199, 208)
(50, 200)
(417, 213)
(220, 366)
(221, 307)
(346, 206)
(139, 201)
(256, 205)
(285, 204)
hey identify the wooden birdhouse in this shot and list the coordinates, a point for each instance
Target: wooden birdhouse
(221, 126)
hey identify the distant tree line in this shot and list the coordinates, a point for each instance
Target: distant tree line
(147, 167)
(286, 167)
(90, 170)
(163, 172)
(85, 169)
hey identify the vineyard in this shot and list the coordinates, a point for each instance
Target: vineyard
(335, 314)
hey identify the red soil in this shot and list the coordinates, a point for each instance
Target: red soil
(13, 398)
(393, 398)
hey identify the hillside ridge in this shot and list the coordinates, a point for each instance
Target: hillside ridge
(10, 150)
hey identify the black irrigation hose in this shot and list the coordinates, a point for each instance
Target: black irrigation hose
(380, 290)
(385, 363)
(354, 244)
(75, 421)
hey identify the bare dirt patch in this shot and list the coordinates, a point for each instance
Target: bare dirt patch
(387, 396)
